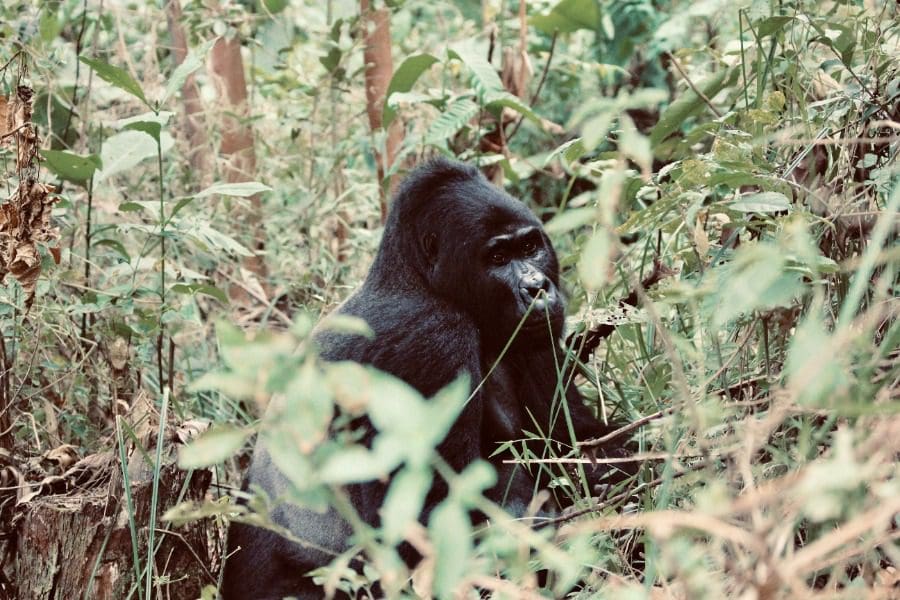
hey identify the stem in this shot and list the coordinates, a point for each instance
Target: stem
(87, 250)
(162, 264)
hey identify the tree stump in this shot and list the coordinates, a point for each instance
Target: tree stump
(73, 546)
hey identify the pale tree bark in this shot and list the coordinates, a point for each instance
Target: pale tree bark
(379, 69)
(239, 158)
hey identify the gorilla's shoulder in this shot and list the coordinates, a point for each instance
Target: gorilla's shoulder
(419, 338)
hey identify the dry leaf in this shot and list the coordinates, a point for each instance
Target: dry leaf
(118, 353)
(190, 430)
(25, 218)
(4, 117)
(64, 456)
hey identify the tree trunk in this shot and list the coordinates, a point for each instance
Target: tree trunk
(194, 128)
(74, 546)
(379, 70)
(227, 70)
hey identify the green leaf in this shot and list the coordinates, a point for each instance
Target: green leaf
(485, 79)
(202, 233)
(473, 481)
(193, 61)
(403, 80)
(451, 533)
(762, 202)
(126, 149)
(689, 104)
(571, 219)
(816, 372)
(116, 245)
(455, 117)
(404, 502)
(357, 464)
(513, 102)
(756, 279)
(594, 263)
(347, 324)
(394, 405)
(242, 189)
(72, 167)
(595, 129)
(212, 447)
(569, 16)
(571, 151)
(771, 25)
(117, 77)
(131, 207)
(308, 409)
(634, 145)
(151, 128)
(200, 288)
(179, 205)
(150, 123)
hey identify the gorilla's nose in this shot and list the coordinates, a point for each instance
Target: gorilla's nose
(532, 286)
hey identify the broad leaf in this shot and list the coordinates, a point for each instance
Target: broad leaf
(212, 447)
(403, 80)
(689, 104)
(569, 16)
(192, 62)
(117, 77)
(72, 167)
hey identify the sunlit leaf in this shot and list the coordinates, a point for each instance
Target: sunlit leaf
(241, 189)
(762, 202)
(404, 502)
(571, 219)
(594, 264)
(212, 447)
(451, 534)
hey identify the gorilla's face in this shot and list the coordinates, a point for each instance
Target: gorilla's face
(520, 282)
(491, 257)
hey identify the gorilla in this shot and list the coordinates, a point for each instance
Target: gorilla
(465, 281)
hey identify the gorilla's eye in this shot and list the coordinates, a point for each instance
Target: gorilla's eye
(498, 258)
(529, 247)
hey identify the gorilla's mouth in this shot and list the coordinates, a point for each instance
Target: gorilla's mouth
(536, 309)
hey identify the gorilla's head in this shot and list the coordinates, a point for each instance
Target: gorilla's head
(476, 246)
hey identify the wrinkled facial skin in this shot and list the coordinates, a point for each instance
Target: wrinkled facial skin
(521, 282)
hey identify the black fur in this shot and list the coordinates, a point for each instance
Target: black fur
(459, 266)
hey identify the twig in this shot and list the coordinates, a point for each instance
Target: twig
(15, 131)
(692, 86)
(9, 62)
(620, 497)
(625, 429)
(537, 91)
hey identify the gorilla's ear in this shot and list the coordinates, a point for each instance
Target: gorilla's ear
(429, 246)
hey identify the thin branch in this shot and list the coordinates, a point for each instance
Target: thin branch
(692, 86)
(537, 90)
(625, 429)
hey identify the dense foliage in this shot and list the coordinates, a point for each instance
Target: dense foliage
(746, 154)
